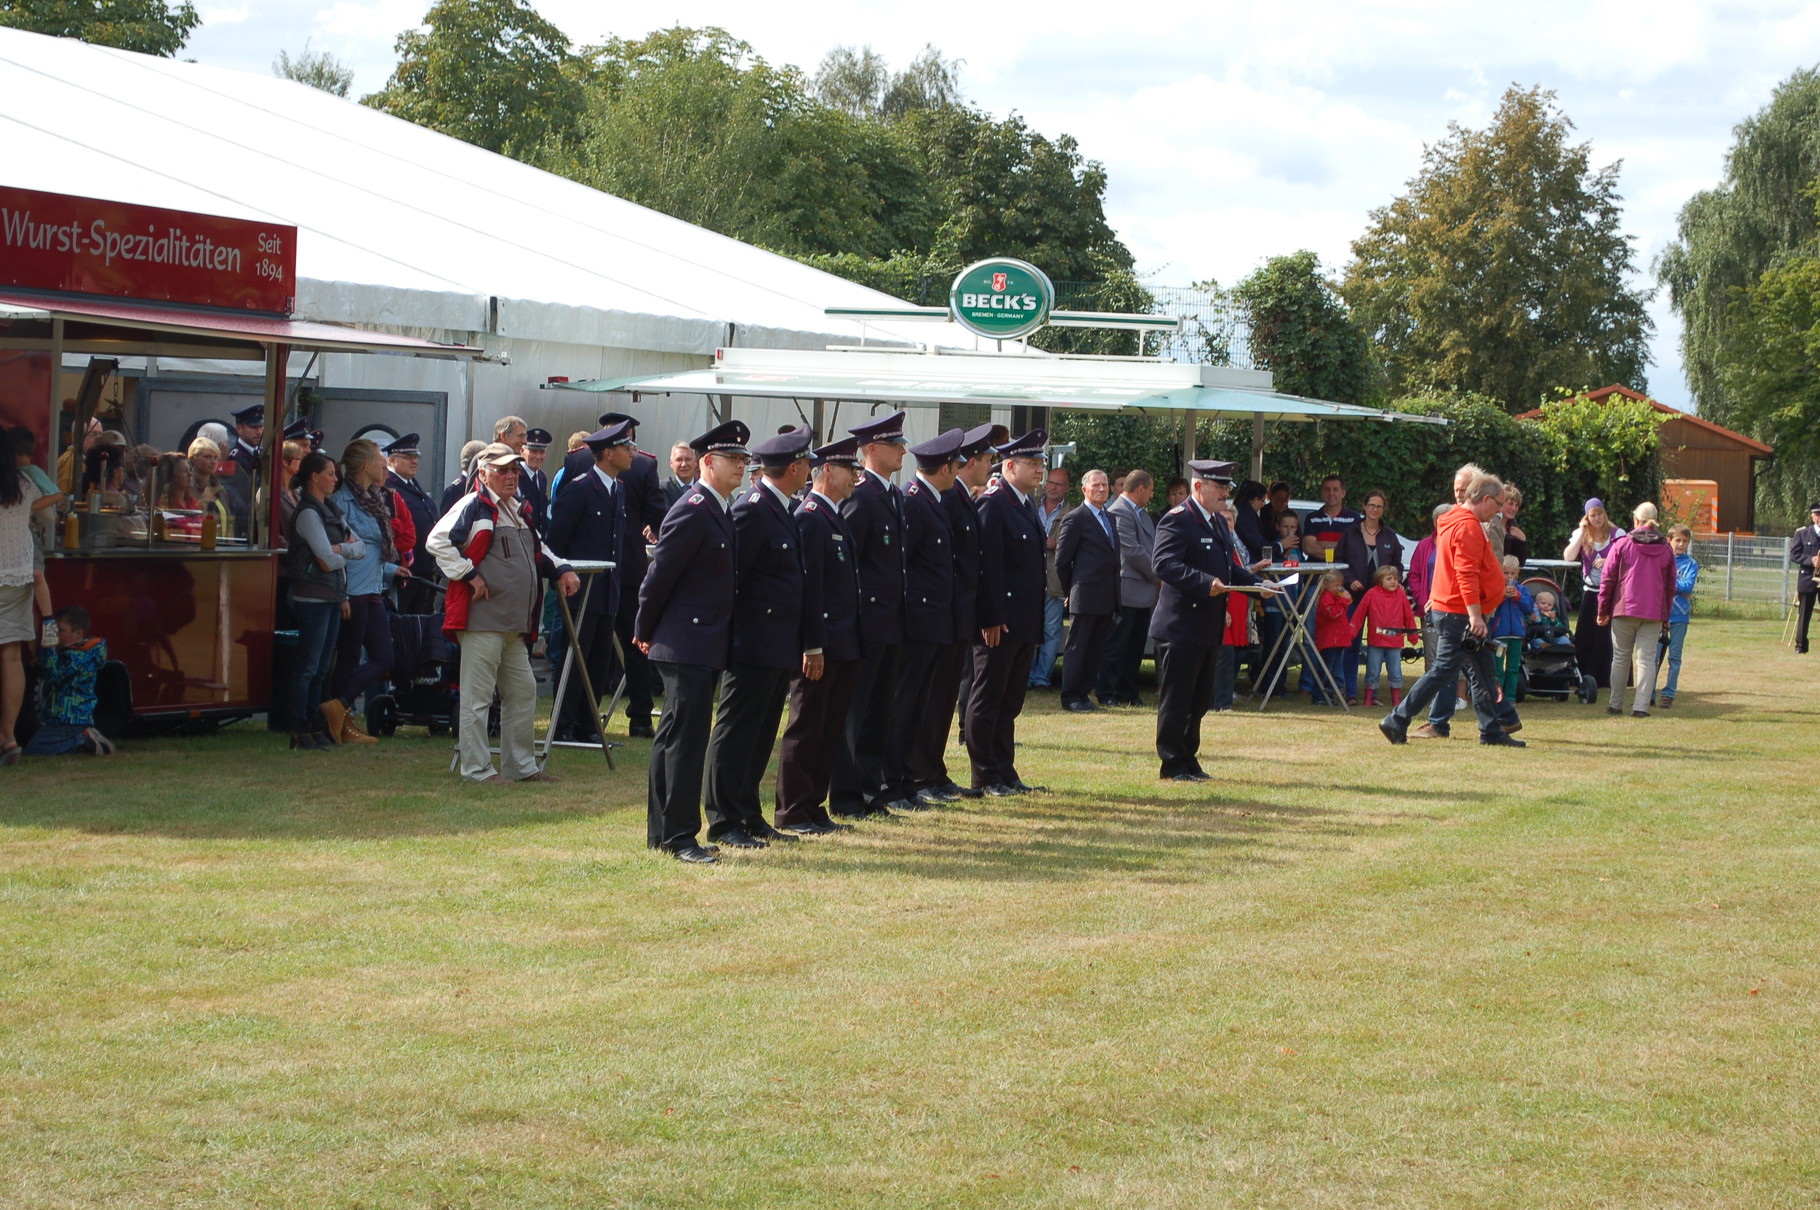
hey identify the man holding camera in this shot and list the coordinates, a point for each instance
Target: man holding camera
(1468, 585)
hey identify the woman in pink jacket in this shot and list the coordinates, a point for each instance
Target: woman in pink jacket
(1635, 596)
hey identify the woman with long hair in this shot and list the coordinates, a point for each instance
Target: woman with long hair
(366, 505)
(316, 560)
(1590, 545)
(19, 578)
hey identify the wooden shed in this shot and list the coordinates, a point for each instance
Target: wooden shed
(1693, 448)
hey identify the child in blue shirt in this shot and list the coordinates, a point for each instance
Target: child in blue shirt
(1680, 612)
(1509, 627)
(67, 673)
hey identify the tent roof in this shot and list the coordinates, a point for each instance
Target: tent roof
(931, 379)
(427, 220)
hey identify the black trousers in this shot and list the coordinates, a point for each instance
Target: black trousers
(1083, 654)
(805, 757)
(673, 804)
(915, 687)
(1807, 612)
(872, 742)
(1118, 678)
(739, 748)
(639, 675)
(1184, 692)
(929, 739)
(595, 653)
(1001, 678)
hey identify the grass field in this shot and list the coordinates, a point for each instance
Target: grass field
(1341, 974)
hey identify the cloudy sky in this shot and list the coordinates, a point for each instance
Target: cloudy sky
(1234, 132)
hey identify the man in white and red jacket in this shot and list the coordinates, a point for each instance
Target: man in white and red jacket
(490, 551)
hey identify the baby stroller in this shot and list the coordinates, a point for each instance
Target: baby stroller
(1551, 665)
(425, 689)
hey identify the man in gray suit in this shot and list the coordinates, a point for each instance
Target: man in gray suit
(1117, 681)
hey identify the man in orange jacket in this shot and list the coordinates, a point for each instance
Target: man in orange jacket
(1468, 584)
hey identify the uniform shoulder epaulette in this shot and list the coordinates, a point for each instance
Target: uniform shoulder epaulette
(990, 490)
(811, 506)
(697, 498)
(754, 498)
(914, 489)
(1180, 508)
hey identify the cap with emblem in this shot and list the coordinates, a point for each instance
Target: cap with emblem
(252, 415)
(607, 418)
(937, 452)
(397, 447)
(728, 439)
(975, 442)
(618, 433)
(844, 452)
(538, 439)
(886, 428)
(299, 430)
(1211, 471)
(1814, 507)
(1030, 445)
(785, 448)
(497, 455)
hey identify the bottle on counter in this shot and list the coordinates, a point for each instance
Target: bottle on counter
(209, 524)
(72, 532)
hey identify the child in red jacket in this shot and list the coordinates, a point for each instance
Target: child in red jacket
(1385, 613)
(1333, 632)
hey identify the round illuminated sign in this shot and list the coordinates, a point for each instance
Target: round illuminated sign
(1001, 298)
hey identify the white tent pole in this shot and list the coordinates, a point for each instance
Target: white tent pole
(1257, 446)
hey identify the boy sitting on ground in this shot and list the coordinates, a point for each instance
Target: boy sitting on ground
(67, 671)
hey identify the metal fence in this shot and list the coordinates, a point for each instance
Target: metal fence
(1740, 567)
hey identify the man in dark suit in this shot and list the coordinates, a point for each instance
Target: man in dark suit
(768, 646)
(587, 524)
(1013, 581)
(402, 457)
(1805, 554)
(1087, 563)
(819, 698)
(682, 472)
(929, 740)
(1118, 685)
(1194, 560)
(644, 506)
(929, 622)
(533, 479)
(243, 483)
(875, 516)
(685, 624)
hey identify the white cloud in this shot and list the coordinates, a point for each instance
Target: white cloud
(226, 16)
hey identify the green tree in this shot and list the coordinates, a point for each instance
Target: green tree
(1736, 277)
(489, 72)
(861, 85)
(318, 69)
(150, 27)
(1503, 270)
(1302, 332)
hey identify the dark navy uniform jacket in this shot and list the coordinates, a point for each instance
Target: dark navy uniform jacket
(1806, 545)
(831, 582)
(964, 535)
(1087, 562)
(424, 516)
(1191, 553)
(587, 523)
(685, 606)
(928, 566)
(768, 616)
(1013, 573)
(878, 532)
(644, 505)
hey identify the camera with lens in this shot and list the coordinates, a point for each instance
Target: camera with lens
(1473, 642)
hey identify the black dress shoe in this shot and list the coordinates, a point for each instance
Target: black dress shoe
(1184, 777)
(1000, 790)
(760, 830)
(1498, 739)
(792, 830)
(962, 791)
(1393, 731)
(943, 793)
(736, 838)
(1080, 706)
(931, 798)
(641, 731)
(891, 806)
(695, 855)
(1024, 787)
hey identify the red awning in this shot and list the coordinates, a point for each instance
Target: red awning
(250, 328)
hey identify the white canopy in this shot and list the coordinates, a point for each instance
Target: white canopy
(399, 225)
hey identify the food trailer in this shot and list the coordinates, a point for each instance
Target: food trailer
(188, 609)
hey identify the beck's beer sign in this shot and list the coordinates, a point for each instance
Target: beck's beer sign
(1001, 299)
(77, 245)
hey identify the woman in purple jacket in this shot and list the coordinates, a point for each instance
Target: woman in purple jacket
(1635, 596)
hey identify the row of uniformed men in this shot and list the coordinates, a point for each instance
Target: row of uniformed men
(863, 606)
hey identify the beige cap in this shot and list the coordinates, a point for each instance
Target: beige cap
(497, 454)
(1644, 512)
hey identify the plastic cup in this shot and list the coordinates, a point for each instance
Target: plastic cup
(1327, 553)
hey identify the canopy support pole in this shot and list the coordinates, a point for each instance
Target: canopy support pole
(1188, 436)
(1257, 446)
(821, 434)
(277, 358)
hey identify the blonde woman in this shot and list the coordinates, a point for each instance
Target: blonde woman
(365, 503)
(211, 497)
(1590, 544)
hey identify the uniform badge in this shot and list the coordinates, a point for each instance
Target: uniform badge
(693, 500)
(753, 498)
